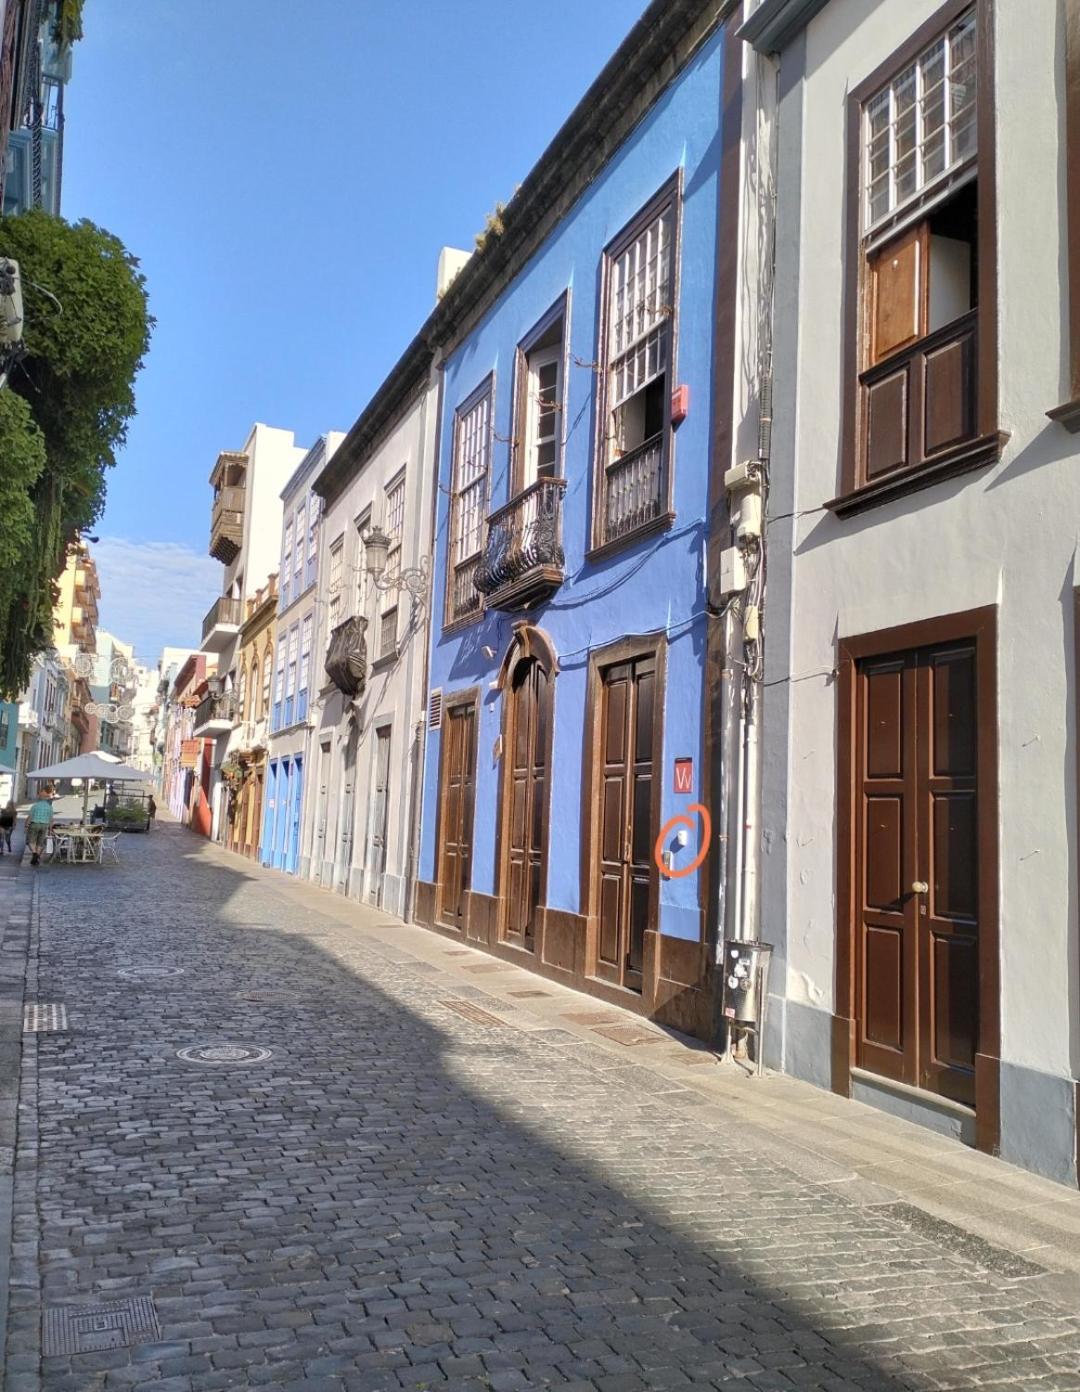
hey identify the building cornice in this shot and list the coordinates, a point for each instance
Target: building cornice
(775, 23)
(648, 60)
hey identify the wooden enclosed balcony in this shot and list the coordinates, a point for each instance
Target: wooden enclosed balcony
(227, 524)
(522, 563)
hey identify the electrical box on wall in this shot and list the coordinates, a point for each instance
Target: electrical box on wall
(732, 576)
(680, 404)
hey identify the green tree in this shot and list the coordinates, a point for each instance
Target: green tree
(84, 346)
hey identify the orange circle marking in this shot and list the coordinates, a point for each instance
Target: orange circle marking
(681, 819)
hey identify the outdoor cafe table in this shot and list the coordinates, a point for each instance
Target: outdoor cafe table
(77, 843)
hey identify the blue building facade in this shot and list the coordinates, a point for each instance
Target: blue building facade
(569, 715)
(293, 673)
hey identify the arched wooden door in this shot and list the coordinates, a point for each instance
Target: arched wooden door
(526, 800)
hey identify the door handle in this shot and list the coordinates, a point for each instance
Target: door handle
(920, 887)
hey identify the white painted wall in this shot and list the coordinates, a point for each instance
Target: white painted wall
(1006, 536)
(395, 693)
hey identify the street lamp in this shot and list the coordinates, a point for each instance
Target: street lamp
(413, 579)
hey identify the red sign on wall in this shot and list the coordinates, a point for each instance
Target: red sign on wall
(684, 775)
(189, 753)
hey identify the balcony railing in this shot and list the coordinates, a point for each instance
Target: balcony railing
(215, 712)
(225, 612)
(227, 524)
(463, 599)
(634, 489)
(523, 560)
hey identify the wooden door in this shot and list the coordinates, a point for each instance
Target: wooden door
(625, 868)
(527, 801)
(458, 793)
(380, 804)
(346, 815)
(917, 869)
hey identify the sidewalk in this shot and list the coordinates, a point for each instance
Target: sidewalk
(16, 901)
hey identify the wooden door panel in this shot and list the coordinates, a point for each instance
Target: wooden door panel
(953, 701)
(887, 423)
(954, 1008)
(884, 853)
(610, 915)
(883, 987)
(948, 394)
(898, 293)
(954, 884)
(884, 696)
(523, 875)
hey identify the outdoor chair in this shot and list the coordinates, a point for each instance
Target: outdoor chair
(110, 849)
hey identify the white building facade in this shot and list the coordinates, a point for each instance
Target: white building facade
(366, 750)
(920, 812)
(245, 535)
(295, 672)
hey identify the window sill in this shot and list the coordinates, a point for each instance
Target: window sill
(1068, 415)
(973, 454)
(381, 664)
(647, 529)
(459, 625)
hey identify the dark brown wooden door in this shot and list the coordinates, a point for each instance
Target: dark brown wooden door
(380, 808)
(625, 867)
(458, 791)
(917, 870)
(527, 779)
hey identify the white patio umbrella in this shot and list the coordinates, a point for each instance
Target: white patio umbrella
(90, 767)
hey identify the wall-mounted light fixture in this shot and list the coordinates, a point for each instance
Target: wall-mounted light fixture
(413, 579)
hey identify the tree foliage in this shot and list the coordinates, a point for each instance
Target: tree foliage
(67, 409)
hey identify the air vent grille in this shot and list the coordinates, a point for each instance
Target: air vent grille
(435, 709)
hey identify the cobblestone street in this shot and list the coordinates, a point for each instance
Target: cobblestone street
(410, 1193)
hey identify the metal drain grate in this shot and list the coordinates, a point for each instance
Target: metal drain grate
(627, 1034)
(44, 1018)
(93, 1328)
(229, 1055)
(472, 1012)
(269, 997)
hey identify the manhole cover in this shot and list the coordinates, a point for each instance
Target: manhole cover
(148, 973)
(224, 1054)
(627, 1034)
(91, 1328)
(269, 997)
(44, 1017)
(472, 1012)
(590, 1017)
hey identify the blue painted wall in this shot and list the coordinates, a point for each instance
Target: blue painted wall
(654, 584)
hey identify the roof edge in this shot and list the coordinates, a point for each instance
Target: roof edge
(775, 23)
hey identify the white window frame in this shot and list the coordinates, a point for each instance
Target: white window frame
(887, 102)
(537, 359)
(640, 314)
(472, 465)
(305, 653)
(291, 661)
(333, 584)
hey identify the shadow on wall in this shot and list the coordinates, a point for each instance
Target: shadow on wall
(379, 1164)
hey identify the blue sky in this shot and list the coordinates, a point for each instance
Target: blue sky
(287, 173)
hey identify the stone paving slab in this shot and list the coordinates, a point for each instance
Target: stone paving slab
(399, 1197)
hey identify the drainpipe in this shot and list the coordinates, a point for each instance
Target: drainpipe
(420, 738)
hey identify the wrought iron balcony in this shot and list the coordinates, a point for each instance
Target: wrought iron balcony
(214, 715)
(523, 560)
(222, 623)
(227, 524)
(346, 657)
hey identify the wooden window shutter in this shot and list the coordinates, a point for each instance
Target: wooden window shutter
(898, 292)
(435, 709)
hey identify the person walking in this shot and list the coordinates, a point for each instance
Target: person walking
(39, 822)
(151, 811)
(9, 815)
